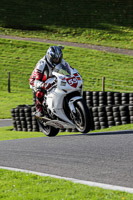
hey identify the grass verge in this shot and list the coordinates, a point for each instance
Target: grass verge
(18, 185)
(11, 100)
(117, 36)
(7, 133)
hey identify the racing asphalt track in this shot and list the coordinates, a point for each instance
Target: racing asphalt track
(5, 122)
(103, 157)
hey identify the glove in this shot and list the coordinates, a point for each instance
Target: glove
(46, 86)
(48, 83)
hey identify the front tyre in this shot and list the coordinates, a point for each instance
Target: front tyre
(47, 130)
(82, 117)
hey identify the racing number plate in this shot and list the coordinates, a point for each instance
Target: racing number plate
(72, 81)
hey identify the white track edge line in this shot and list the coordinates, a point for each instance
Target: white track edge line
(89, 183)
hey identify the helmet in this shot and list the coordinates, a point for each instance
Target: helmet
(54, 55)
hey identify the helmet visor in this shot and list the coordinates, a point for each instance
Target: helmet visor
(56, 60)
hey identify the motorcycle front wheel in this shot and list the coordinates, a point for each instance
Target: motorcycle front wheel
(82, 117)
(47, 130)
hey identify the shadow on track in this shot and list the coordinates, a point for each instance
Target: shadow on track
(125, 132)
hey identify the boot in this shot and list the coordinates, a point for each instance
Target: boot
(39, 111)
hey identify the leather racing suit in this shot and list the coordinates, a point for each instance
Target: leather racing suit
(40, 74)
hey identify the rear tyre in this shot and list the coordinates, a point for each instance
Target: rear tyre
(47, 130)
(82, 117)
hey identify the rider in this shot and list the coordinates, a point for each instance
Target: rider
(42, 72)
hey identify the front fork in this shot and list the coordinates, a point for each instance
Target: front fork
(71, 104)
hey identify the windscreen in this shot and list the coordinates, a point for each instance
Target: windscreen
(62, 69)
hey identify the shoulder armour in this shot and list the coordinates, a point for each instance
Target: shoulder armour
(41, 65)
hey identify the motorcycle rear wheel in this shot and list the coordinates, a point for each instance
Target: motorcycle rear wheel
(82, 117)
(47, 130)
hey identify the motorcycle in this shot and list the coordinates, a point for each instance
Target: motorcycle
(64, 106)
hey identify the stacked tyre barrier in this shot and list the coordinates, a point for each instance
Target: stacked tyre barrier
(23, 118)
(97, 98)
(108, 116)
(107, 109)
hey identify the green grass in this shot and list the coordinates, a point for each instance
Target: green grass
(18, 185)
(13, 99)
(7, 133)
(118, 36)
(108, 23)
(20, 57)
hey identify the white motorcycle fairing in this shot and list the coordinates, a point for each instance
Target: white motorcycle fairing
(63, 102)
(55, 96)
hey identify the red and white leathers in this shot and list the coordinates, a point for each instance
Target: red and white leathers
(40, 74)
